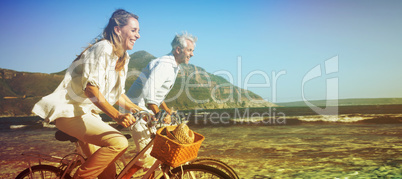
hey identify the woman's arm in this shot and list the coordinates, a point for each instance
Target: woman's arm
(92, 92)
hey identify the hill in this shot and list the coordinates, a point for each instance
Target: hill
(194, 88)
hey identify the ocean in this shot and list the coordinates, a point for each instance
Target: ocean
(358, 142)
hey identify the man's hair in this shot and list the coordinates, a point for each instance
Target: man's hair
(180, 40)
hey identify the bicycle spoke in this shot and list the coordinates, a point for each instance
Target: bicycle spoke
(197, 171)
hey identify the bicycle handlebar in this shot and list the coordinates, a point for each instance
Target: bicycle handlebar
(160, 116)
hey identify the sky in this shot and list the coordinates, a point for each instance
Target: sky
(281, 50)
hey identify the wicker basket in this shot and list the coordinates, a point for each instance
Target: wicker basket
(173, 153)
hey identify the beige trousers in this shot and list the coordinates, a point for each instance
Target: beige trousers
(142, 137)
(100, 142)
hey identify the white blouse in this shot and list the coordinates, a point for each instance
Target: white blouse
(97, 67)
(155, 82)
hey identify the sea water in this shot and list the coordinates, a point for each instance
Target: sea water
(308, 151)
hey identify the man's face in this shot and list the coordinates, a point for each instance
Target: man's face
(185, 54)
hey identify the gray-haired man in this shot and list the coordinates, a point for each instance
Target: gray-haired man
(155, 82)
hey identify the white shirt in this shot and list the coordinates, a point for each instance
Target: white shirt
(154, 82)
(97, 67)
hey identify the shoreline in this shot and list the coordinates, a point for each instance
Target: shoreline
(269, 116)
(288, 110)
(203, 121)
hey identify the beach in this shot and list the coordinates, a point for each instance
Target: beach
(308, 151)
(360, 149)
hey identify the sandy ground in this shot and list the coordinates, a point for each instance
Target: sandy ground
(288, 151)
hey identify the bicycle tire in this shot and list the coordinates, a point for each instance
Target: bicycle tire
(43, 172)
(217, 164)
(197, 171)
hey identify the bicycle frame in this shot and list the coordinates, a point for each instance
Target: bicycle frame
(136, 158)
(147, 147)
(67, 165)
(165, 168)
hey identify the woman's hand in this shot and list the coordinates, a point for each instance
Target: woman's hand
(126, 120)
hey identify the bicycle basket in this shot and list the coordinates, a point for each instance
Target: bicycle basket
(173, 153)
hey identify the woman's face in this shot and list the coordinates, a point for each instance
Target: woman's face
(129, 33)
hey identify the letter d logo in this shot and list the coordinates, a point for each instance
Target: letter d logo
(331, 66)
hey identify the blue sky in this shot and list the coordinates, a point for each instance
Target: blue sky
(280, 43)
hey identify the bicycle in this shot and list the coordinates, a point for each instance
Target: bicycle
(198, 168)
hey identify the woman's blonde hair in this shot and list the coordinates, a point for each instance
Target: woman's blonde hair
(119, 18)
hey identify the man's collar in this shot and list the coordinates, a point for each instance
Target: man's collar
(174, 63)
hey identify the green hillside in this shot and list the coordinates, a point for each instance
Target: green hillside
(140, 60)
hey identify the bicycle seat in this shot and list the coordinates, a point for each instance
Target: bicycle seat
(61, 136)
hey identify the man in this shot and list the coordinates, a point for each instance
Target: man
(152, 86)
(157, 79)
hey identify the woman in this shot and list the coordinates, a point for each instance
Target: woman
(92, 84)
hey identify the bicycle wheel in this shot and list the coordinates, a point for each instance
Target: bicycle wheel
(217, 164)
(197, 171)
(42, 172)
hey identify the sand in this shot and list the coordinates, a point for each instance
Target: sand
(330, 150)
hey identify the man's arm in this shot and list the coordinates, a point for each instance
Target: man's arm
(165, 107)
(156, 110)
(153, 107)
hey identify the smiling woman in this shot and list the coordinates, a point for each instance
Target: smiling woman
(92, 84)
